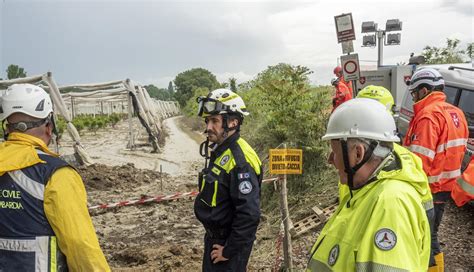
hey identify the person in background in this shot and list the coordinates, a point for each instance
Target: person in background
(381, 225)
(228, 203)
(341, 94)
(339, 74)
(438, 134)
(463, 190)
(44, 221)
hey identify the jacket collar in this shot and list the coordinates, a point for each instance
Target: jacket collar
(431, 99)
(19, 152)
(226, 144)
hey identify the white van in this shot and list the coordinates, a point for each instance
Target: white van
(459, 90)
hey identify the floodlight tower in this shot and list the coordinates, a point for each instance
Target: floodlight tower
(380, 35)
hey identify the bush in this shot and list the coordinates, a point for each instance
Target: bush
(284, 108)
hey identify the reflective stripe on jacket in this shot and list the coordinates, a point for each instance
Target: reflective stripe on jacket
(64, 205)
(27, 241)
(438, 134)
(463, 190)
(385, 227)
(229, 197)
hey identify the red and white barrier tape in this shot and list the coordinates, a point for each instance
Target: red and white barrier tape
(145, 200)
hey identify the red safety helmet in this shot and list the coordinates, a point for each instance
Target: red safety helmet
(337, 70)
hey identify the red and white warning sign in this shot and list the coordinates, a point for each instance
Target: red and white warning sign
(350, 67)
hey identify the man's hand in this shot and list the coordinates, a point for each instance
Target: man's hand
(216, 254)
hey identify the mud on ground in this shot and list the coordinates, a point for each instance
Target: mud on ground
(167, 237)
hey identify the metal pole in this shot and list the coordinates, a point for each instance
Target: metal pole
(380, 34)
(287, 248)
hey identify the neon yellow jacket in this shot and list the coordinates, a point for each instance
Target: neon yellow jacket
(65, 203)
(384, 227)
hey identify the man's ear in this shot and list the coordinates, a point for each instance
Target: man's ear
(360, 152)
(233, 123)
(49, 129)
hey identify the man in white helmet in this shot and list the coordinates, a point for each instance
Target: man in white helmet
(438, 135)
(228, 204)
(381, 225)
(44, 221)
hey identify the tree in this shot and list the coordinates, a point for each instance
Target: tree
(158, 93)
(189, 80)
(15, 71)
(469, 50)
(233, 84)
(449, 54)
(171, 88)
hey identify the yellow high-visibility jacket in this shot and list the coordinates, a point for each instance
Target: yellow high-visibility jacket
(64, 203)
(383, 227)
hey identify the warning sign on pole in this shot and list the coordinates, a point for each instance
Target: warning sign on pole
(286, 161)
(350, 67)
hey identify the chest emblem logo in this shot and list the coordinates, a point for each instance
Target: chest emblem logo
(224, 160)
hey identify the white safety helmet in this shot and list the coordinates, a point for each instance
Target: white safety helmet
(428, 76)
(221, 101)
(361, 118)
(25, 98)
(335, 81)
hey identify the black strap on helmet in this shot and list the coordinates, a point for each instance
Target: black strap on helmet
(350, 171)
(23, 126)
(204, 151)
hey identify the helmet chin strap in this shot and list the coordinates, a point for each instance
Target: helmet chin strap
(351, 171)
(226, 127)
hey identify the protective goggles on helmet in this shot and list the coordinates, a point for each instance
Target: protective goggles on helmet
(210, 106)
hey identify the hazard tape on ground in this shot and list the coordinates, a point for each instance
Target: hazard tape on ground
(145, 200)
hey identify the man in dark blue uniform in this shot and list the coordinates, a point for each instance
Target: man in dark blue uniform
(228, 204)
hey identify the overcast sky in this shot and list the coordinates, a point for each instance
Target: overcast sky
(153, 41)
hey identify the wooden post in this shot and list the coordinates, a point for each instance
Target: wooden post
(287, 248)
(72, 107)
(161, 177)
(130, 133)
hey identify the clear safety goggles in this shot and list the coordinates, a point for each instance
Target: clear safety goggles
(210, 106)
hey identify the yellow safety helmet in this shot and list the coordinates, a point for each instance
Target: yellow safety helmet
(380, 94)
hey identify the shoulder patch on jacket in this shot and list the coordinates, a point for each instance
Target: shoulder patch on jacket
(385, 239)
(245, 187)
(333, 254)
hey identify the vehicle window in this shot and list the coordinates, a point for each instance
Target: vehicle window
(451, 93)
(408, 101)
(466, 103)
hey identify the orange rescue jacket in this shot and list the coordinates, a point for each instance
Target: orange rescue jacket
(342, 95)
(438, 134)
(349, 85)
(463, 190)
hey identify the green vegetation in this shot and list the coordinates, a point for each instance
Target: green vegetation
(449, 54)
(285, 108)
(159, 93)
(90, 123)
(15, 71)
(188, 81)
